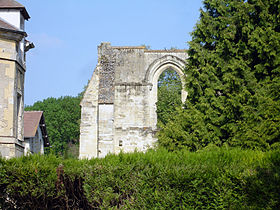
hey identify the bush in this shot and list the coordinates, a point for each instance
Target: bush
(209, 179)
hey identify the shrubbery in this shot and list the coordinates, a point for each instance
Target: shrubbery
(209, 179)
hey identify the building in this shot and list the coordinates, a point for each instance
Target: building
(119, 105)
(13, 47)
(35, 132)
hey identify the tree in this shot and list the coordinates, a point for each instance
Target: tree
(233, 78)
(169, 96)
(62, 116)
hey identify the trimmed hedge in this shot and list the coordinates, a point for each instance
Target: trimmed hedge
(214, 178)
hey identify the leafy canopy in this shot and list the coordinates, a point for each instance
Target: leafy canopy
(62, 116)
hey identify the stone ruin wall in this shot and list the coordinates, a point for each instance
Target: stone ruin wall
(118, 108)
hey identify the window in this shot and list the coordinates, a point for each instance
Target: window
(19, 126)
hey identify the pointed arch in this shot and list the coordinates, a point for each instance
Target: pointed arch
(160, 65)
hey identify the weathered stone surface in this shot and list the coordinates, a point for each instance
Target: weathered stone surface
(119, 105)
(89, 118)
(107, 62)
(11, 100)
(13, 47)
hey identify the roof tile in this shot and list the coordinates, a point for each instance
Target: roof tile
(11, 4)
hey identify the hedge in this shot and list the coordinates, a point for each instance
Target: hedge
(214, 178)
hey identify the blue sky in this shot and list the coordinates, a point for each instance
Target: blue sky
(66, 34)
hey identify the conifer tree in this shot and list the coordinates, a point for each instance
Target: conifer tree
(233, 78)
(169, 96)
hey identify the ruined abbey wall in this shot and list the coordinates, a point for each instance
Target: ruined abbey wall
(119, 104)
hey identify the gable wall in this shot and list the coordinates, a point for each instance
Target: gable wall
(123, 109)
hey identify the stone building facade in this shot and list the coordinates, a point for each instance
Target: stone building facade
(13, 47)
(119, 104)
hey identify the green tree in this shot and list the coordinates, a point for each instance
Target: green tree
(169, 96)
(62, 116)
(233, 78)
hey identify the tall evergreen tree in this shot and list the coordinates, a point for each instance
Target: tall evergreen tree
(169, 96)
(233, 78)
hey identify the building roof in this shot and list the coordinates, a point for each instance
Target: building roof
(33, 119)
(31, 122)
(11, 4)
(4, 25)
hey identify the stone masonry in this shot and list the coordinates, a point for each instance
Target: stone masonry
(11, 101)
(13, 47)
(119, 104)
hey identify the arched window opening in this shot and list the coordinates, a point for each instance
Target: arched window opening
(168, 96)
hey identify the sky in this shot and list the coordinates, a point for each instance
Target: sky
(66, 34)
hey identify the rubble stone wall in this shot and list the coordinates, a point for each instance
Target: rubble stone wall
(119, 105)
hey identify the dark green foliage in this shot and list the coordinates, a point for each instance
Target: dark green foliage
(62, 116)
(233, 78)
(214, 178)
(169, 95)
